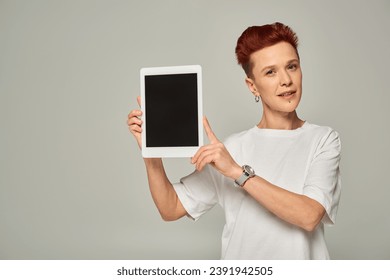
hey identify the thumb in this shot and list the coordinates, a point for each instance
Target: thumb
(139, 100)
(210, 134)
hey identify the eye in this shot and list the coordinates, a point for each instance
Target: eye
(269, 72)
(292, 66)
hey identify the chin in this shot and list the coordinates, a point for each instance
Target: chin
(292, 107)
(288, 107)
(282, 107)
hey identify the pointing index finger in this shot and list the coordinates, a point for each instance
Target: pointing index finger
(210, 134)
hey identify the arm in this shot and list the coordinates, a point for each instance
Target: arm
(296, 209)
(163, 193)
(293, 208)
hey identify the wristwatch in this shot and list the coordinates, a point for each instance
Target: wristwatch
(247, 172)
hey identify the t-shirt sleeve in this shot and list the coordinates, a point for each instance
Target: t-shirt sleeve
(323, 181)
(197, 192)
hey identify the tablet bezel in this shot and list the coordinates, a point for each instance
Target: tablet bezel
(161, 152)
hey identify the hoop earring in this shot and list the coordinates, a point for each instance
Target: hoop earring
(257, 98)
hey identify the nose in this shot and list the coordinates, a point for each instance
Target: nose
(285, 79)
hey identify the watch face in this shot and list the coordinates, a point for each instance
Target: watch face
(249, 170)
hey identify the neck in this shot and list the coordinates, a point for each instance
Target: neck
(278, 120)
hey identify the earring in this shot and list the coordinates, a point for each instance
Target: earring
(257, 98)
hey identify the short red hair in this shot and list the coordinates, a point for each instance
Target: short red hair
(255, 38)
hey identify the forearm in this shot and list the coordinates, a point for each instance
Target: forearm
(163, 193)
(291, 207)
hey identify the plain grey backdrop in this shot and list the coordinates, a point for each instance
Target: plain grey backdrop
(72, 181)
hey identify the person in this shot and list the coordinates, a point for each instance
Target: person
(279, 181)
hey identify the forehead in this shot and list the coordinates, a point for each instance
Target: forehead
(276, 54)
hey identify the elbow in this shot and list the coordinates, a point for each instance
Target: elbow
(312, 220)
(169, 217)
(310, 226)
(312, 215)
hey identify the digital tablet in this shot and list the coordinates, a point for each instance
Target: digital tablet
(171, 101)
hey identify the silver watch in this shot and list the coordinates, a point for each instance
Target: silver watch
(247, 172)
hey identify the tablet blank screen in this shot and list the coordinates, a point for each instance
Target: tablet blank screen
(171, 110)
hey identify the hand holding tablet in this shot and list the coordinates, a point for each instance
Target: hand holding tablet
(172, 111)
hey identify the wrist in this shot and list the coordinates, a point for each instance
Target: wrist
(236, 172)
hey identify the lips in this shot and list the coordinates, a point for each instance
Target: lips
(286, 94)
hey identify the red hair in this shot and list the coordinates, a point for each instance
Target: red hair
(255, 38)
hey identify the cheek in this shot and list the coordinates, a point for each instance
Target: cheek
(298, 78)
(267, 87)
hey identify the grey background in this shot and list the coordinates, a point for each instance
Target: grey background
(72, 181)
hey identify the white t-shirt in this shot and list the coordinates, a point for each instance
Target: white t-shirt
(304, 161)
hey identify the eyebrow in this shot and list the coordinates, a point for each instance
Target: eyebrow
(273, 66)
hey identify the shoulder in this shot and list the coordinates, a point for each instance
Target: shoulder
(324, 136)
(323, 131)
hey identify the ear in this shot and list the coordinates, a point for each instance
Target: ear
(251, 85)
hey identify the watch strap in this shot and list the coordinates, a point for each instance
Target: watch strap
(247, 172)
(242, 179)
